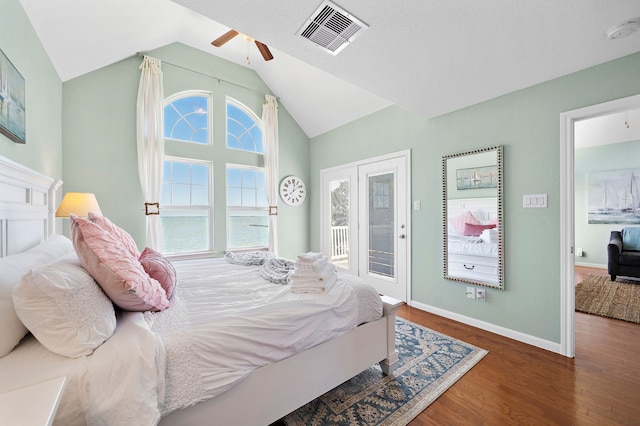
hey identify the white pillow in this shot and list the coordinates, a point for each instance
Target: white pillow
(12, 268)
(64, 308)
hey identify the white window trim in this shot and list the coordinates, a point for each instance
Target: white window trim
(210, 249)
(241, 208)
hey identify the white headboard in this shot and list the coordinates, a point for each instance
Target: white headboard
(484, 209)
(27, 201)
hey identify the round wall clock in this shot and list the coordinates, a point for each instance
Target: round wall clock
(293, 190)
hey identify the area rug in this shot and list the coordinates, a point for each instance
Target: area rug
(619, 299)
(429, 364)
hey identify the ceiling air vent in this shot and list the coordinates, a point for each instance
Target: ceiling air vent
(331, 27)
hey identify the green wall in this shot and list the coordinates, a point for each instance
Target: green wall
(593, 238)
(99, 121)
(43, 90)
(527, 123)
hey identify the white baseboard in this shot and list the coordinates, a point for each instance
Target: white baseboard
(591, 265)
(502, 331)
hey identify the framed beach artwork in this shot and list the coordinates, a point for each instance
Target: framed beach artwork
(12, 101)
(614, 197)
(477, 177)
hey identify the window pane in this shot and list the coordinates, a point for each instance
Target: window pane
(181, 173)
(248, 179)
(248, 197)
(185, 232)
(234, 197)
(181, 195)
(187, 119)
(249, 229)
(199, 174)
(234, 177)
(200, 196)
(243, 129)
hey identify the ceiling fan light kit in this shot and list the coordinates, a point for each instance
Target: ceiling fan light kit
(229, 35)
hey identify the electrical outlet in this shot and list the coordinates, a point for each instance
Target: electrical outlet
(579, 252)
(471, 293)
(481, 294)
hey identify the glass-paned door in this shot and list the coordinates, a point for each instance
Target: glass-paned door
(364, 222)
(383, 225)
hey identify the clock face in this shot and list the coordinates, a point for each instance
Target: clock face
(292, 190)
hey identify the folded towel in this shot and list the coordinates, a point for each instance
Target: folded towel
(309, 257)
(328, 270)
(314, 288)
(314, 267)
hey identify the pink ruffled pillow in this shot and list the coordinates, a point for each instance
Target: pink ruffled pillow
(120, 274)
(123, 236)
(459, 222)
(158, 267)
(471, 230)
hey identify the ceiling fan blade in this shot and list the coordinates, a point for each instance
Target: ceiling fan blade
(224, 38)
(266, 53)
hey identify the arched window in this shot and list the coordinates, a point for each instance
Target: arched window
(244, 128)
(187, 118)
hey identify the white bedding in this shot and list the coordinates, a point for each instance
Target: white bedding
(221, 325)
(225, 323)
(117, 385)
(471, 246)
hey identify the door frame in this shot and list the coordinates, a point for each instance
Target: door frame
(567, 209)
(406, 154)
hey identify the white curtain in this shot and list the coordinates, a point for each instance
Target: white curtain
(270, 145)
(150, 124)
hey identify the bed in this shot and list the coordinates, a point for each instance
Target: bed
(176, 366)
(472, 239)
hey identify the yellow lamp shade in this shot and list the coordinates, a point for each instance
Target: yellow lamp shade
(78, 203)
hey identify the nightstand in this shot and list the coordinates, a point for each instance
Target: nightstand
(32, 405)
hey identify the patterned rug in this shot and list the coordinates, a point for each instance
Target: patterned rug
(429, 364)
(619, 299)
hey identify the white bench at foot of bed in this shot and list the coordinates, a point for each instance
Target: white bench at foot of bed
(273, 391)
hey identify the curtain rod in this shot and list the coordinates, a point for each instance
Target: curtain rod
(141, 54)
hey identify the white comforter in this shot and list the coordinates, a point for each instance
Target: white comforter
(225, 323)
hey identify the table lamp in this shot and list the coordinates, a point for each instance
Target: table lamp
(78, 203)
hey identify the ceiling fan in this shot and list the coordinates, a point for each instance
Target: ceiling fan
(264, 50)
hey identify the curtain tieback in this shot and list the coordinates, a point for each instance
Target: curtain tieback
(273, 210)
(151, 208)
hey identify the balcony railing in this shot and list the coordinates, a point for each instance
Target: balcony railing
(339, 242)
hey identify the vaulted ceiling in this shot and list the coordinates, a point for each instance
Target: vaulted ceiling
(429, 57)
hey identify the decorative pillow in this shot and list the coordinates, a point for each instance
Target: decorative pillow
(459, 222)
(631, 238)
(64, 308)
(12, 268)
(471, 230)
(123, 236)
(159, 268)
(119, 273)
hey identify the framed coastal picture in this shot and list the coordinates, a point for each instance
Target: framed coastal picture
(614, 197)
(477, 177)
(12, 101)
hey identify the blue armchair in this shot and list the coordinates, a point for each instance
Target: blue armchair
(624, 253)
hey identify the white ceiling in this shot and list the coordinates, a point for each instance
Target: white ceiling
(430, 57)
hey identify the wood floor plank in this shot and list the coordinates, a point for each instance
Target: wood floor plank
(519, 384)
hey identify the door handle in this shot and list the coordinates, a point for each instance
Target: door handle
(402, 236)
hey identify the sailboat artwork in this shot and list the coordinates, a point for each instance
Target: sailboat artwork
(477, 177)
(614, 197)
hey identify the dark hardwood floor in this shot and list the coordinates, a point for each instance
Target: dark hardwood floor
(519, 384)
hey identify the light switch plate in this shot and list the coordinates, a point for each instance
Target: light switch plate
(534, 201)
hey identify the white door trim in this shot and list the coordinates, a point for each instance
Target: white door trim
(567, 214)
(403, 154)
